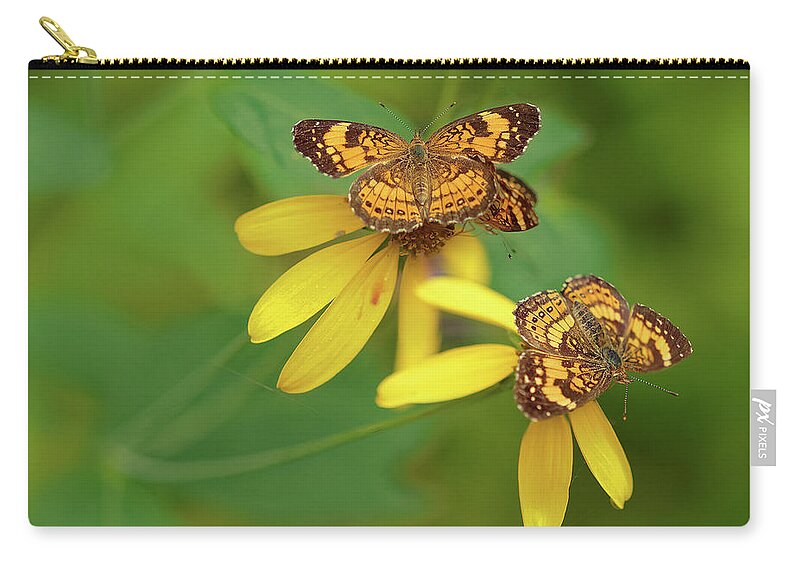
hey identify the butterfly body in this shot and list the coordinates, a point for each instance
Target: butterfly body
(579, 341)
(419, 174)
(448, 179)
(418, 149)
(613, 359)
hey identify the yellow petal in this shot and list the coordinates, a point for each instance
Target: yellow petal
(464, 256)
(345, 326)
(448, 375)
(469, 299)
(308, 286)
(602, 451)
(545, 472)
(295, 223)
(417, 322)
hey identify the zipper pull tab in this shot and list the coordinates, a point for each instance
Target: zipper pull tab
(72, 52)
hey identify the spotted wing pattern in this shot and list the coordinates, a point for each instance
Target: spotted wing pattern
(462, 187)
(653, 342)
(382, 198)
(603, 300)
(339, 148)
(545, 322)
(549, 385)
(512, 210)
(500, 134)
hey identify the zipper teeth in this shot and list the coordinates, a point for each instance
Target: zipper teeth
(391, 62)
(377, 63)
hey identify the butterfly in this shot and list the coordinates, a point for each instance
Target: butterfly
(512, 209)
(447, 179)
(579, 341)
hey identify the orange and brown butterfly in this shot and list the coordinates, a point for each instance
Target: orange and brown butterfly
(579, 341)
(512, 209)
(447, 179)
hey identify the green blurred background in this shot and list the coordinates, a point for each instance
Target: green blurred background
(139, 296)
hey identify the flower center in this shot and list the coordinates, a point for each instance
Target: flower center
(426, 239)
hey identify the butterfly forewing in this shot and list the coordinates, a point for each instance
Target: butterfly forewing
(500, 134)
(603, 300)
(512, 209)
(653, 342)
(340, 148)
(545, 322)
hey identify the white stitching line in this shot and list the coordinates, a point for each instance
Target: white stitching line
(563, 77)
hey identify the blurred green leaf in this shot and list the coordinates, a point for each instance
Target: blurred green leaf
(64, 155)
(157, 238)
(263, 119)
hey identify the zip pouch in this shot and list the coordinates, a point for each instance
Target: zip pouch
(387, 292)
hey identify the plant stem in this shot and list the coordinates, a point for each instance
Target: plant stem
(147, 468)
(137, 430)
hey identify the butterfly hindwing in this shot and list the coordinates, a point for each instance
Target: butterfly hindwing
(381, 198)
(512, 209)
(549, 385)
(339, 148)
(500, 134)
(462, 187)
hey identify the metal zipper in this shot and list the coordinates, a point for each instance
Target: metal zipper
(78, 57)
(73, 53)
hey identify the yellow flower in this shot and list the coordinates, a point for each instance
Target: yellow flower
(355, 278)
(545, 456)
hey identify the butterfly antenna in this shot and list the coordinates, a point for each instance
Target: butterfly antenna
(439, 116)
(398, 119)
(625, 404)
(654, 386)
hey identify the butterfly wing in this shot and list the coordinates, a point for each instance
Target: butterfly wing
(338, 148)
(512, 210)
(462, 188)
(652, 342)
(546, 323)
(603, 300)
(500, 134)
(548, 385)
(383, 199)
